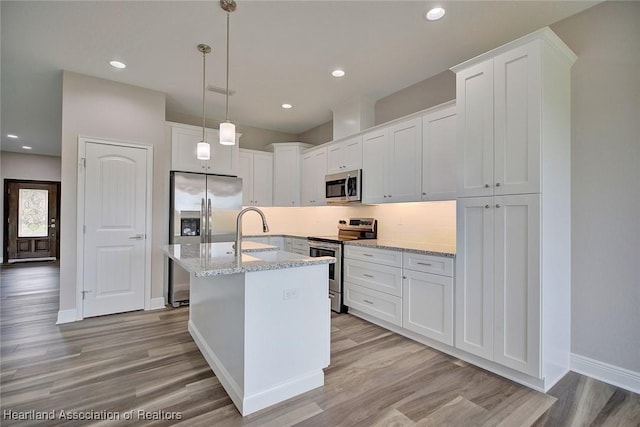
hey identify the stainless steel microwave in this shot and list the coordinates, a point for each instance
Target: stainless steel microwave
(343, 187)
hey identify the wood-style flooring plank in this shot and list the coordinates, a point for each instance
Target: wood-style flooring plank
(147, 362)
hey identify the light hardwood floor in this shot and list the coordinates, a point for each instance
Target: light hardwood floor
(147, 361)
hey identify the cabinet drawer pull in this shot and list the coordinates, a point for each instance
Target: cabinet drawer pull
(367, 254)
(425, 263)
(367, 275)
(367, 301)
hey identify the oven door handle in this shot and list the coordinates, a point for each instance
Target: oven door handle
(326, 248)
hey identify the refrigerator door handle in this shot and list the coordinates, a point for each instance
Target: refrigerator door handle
(210, 220)
(203, 221)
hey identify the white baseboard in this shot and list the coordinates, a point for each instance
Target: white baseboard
(610, 374)
(156, 303)
(66, 316)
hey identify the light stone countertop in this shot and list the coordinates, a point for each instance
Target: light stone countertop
(448, 251)
(216, 259)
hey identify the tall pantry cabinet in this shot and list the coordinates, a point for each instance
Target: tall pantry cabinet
(513, 258)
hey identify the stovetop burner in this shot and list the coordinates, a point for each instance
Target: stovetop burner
(353, 229)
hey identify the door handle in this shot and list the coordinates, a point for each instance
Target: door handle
(203, 221)
(209, 220)
(137, 237)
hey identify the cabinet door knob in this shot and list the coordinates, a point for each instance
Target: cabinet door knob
(424, 194)
(498, 205)
(497, 184)
(486, 186)
(385, 196)
(486, 206)
(389, 195)
(404, 277)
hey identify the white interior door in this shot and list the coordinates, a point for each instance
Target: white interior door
(116, 189)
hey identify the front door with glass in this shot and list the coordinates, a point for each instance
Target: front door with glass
(31, 227)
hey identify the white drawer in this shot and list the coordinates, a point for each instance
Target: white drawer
(300, 246)
(378, 304)
(379, 256)
(374, 276)
(428, 264)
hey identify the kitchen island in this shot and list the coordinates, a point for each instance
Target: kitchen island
(261, 320)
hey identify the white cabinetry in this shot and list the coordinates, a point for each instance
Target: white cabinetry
(392, 163)
(314, 169)
(513, 208)
(185, 138)
(373, 282)
(439, 154)
(287, 173)
(256, 171)
(345, 155)
(299, 245)
(427, 296)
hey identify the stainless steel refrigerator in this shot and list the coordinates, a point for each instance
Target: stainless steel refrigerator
(203, 210)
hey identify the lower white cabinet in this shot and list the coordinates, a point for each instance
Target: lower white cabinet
(299, 245)
(498, 287)
(378, 304)
(427, 305)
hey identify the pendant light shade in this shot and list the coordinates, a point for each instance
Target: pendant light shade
(227, 133)
(203, 149)
(227, 129)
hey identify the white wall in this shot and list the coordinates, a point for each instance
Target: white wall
(25, 166)
(605, 174)
(104, 109)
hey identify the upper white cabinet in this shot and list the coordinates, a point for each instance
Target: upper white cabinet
(314, 169)
(287, 173)
(439, 154)
(392, 163)
(256, 171)
(184, 139)
(502, 101)
(513, 263)
(345, 155)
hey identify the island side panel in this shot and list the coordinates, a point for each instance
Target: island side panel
(216, 323)
(287, 327)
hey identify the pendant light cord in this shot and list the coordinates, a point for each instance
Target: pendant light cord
(227, 107)
(204, 67)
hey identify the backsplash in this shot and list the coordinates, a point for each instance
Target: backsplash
(423, 222)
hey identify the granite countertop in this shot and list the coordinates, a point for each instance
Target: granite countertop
(419, 248)
(216, 259)
(298, 235)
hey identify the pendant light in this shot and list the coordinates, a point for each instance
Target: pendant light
(227, 129)
(203, 149)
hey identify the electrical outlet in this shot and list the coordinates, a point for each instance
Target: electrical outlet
(290, 294)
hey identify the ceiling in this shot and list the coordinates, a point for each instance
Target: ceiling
(281, 51)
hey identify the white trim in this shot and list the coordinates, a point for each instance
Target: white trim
(66, 316)
(156, 304)
(48, 258)
(82, 142)
(610, 374)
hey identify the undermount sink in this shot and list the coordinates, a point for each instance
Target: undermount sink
(272, 256)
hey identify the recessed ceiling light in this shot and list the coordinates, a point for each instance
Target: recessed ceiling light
(26, 147)
(12, 136)
(287, 106)
(435, 14)
(117, 64)
(337, 73)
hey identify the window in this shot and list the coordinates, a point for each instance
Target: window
(33, 213)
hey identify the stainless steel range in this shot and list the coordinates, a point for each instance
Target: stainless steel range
(351, 229)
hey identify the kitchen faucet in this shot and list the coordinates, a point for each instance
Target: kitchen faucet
(265, 227)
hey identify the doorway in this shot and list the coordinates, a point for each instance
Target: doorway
(32, 212)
